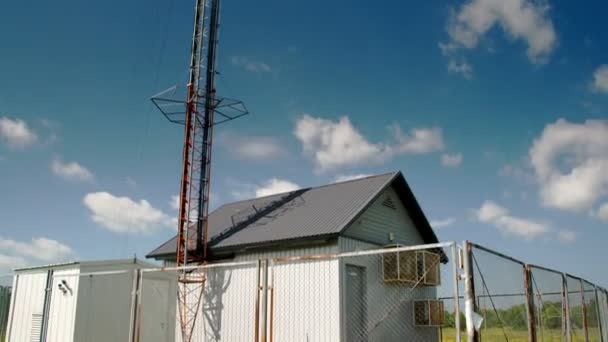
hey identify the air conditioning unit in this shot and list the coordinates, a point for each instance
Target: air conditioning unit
(412, 268)
(428, 313)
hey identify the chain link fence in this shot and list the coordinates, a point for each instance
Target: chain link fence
(509, 300)
(391, 294)
(416, 293)
(6, 290)
(223, 306)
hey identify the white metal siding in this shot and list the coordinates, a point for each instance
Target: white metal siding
(307, 301)
(29, 301)
(62, 310)
(378, 221)
(228, 306)
(282, 253)
(104, 307)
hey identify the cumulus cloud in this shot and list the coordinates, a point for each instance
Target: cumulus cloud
(451, 160)
(344, 178)
(498, 216)
(10, 262)
(124, 215)
(174, 202)
(252, 147)
(242, 191)
(16, 133)
(334, 144)
(443, 223)
(463, 68)
(570, 162)
(275, 186)
(600, 79)
(524, 20)
(15, 254)
(250, 64)
(71, 171)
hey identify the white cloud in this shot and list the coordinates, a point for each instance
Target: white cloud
(451, 160)
(16, 133)
(334, 144)
(174, 202)
(602, 212)
(344, 178)
(250, 64)
(600, 79)
(570, 161)
(71, 171)
(10, 262)
(252, 147)
(498, 216)
(566, 236)
(242, 191)
(524, 20)
(463, 68)
(275, 186)
(123, 215)
(443, 223)
(15, 254)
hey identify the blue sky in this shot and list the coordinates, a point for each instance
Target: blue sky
(465, 97)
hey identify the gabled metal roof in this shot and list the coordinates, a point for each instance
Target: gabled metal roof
(310, 213)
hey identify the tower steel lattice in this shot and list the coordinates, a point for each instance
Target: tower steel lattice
(197, 112)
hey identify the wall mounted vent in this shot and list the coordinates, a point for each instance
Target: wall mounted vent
(412, 268)
(388, 202)
(428, 313)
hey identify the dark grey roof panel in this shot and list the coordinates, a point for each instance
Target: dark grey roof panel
(310, 212)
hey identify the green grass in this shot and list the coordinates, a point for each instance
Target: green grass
(497, 335)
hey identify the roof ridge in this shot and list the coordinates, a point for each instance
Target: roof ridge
(309, 188)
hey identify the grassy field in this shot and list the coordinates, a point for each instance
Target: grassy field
(497, 335)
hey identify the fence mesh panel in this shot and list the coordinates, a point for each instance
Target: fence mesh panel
(500, 297)
(603, 312)
(575, 309)
(592, 313)
(548, 306)
(383, 295)
(6, 289)
(227, 311)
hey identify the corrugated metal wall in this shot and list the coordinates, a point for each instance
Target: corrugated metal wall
(28, 303)
(228, 306)
(379, 220)
(62, 309)
(306, 301)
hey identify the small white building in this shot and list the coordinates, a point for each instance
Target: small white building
(88, 302)
(333, 299)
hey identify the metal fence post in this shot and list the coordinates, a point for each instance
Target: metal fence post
(530, 303)
(262, 309)
(134, 290)
(470, 305)
(584, 311)
(597, 313)
(456, 292)
(566, 327)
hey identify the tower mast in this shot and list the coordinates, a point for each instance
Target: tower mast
(197, 114)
